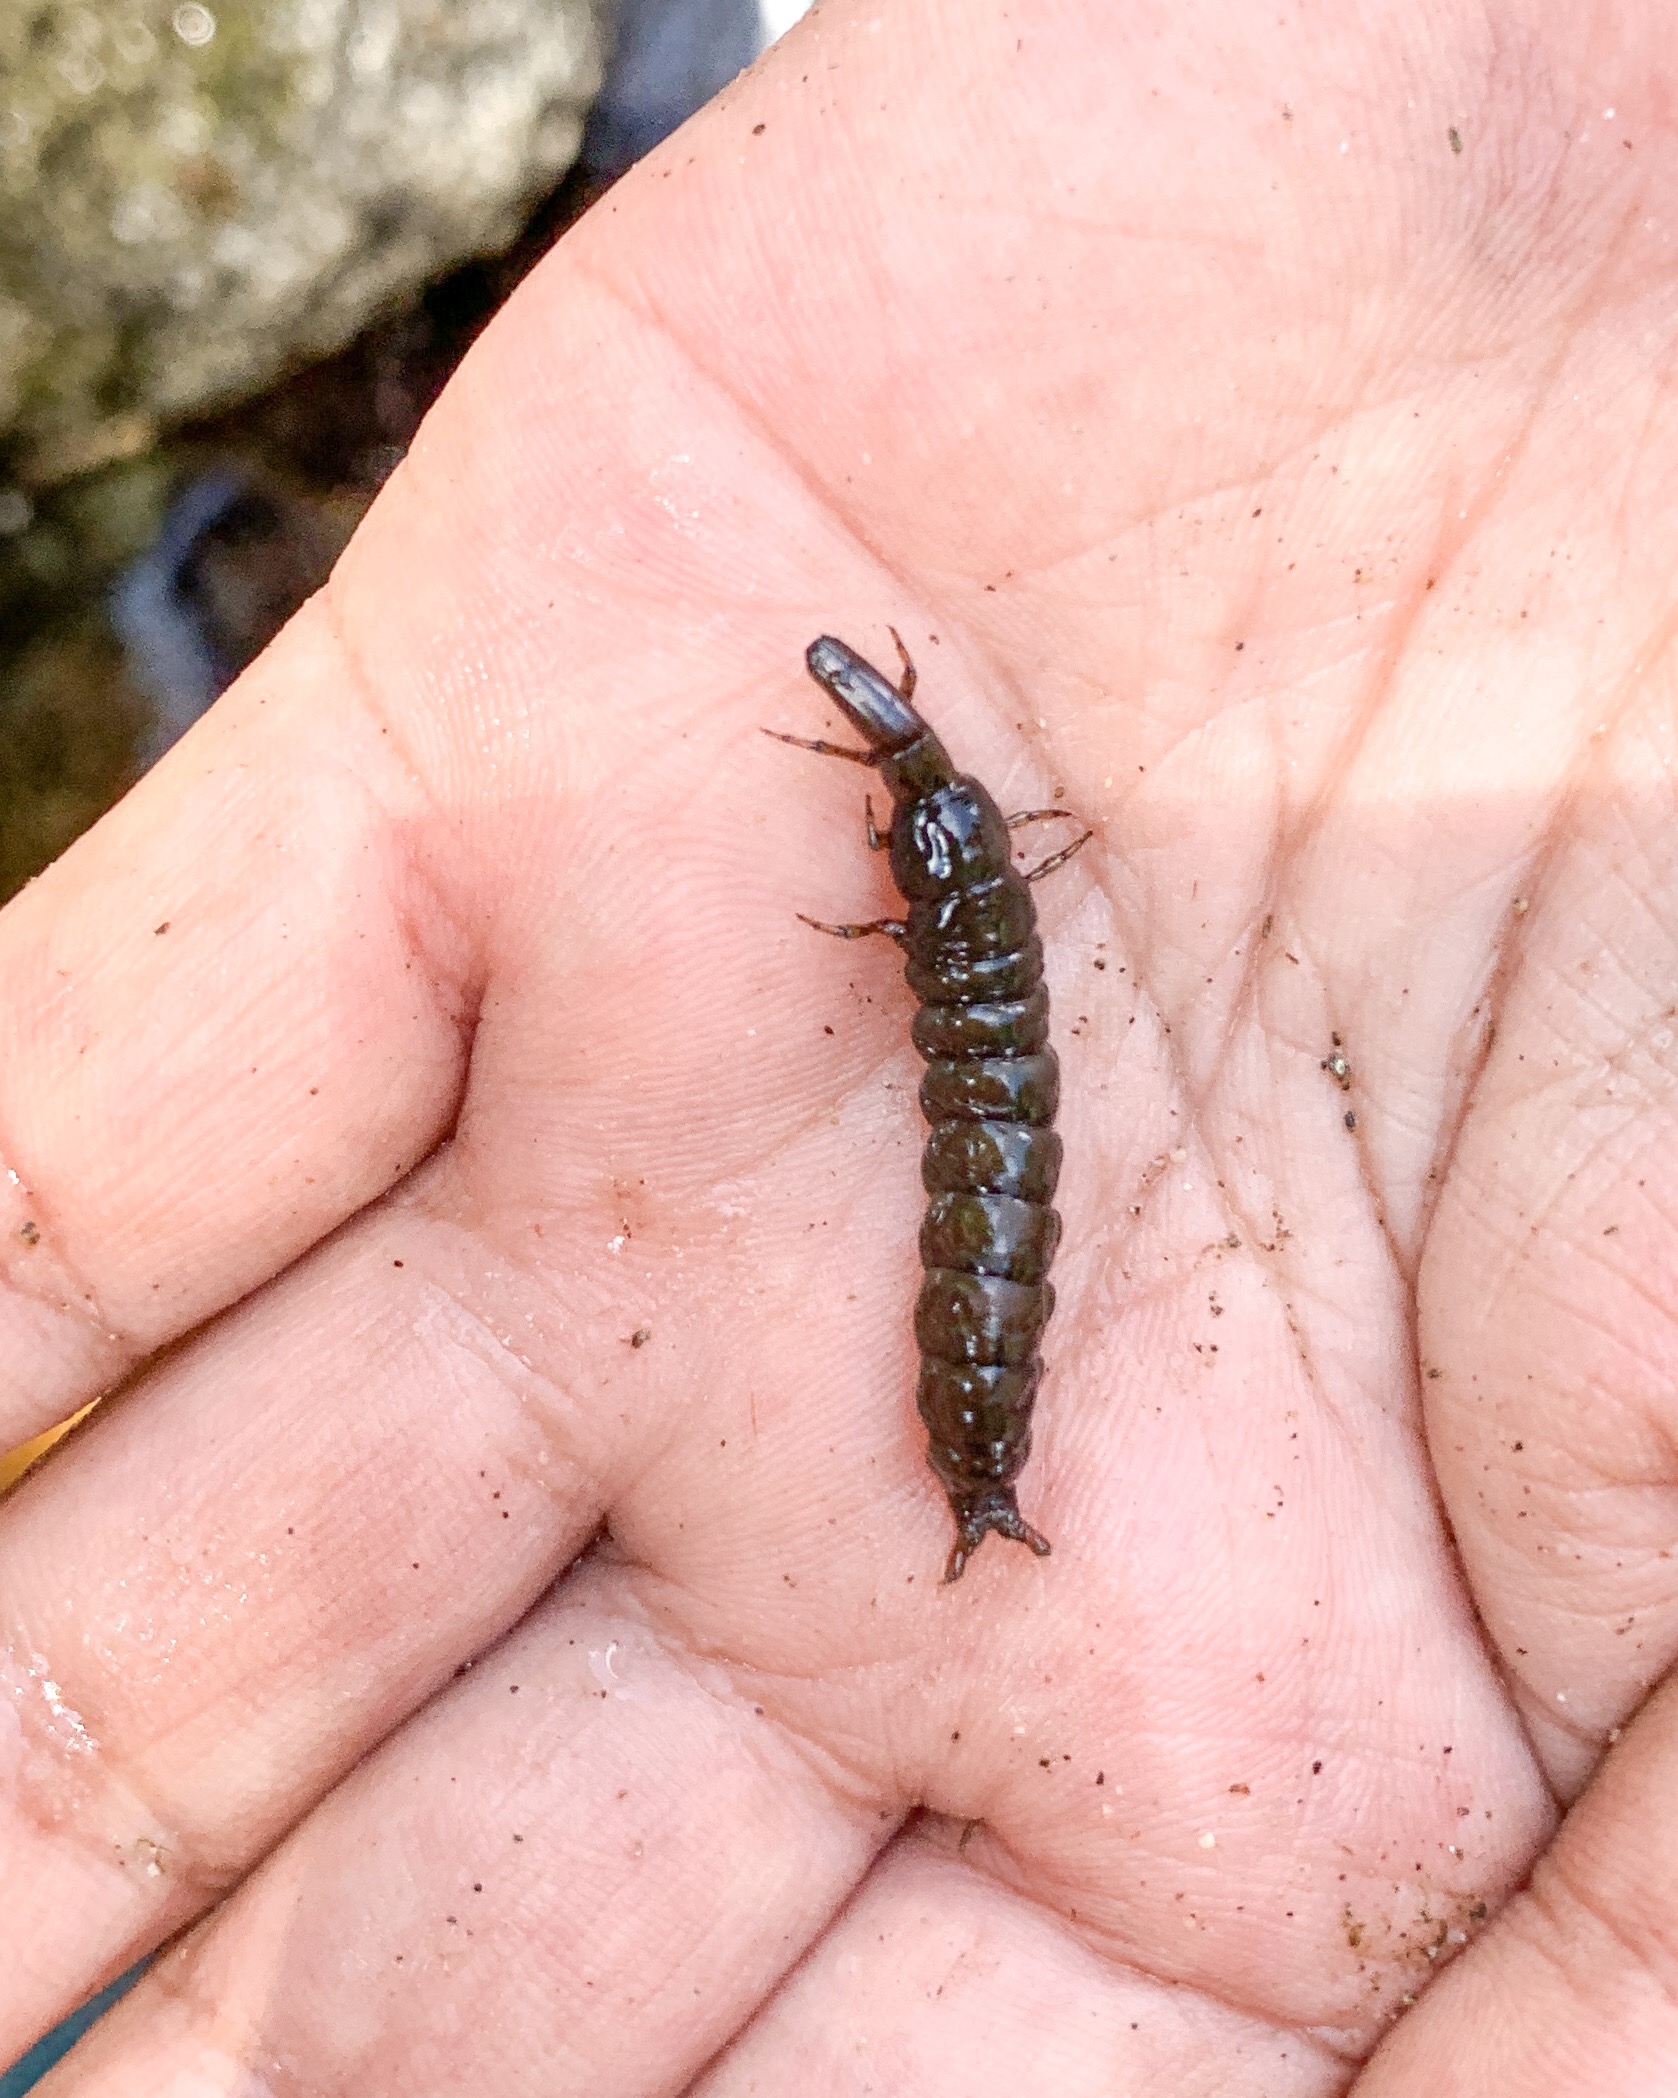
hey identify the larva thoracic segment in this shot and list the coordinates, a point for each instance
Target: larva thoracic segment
(990, 1091)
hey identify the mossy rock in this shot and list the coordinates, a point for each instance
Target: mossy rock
(194, 197)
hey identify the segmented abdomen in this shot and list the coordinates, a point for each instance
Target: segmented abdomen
(991, 1162)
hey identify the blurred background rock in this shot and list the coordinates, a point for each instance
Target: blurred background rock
(241, 249)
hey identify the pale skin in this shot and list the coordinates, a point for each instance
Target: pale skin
(1290, 496)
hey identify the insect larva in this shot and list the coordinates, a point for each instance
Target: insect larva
(990, 1092)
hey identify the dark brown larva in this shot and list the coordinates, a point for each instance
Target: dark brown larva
(990, 1092)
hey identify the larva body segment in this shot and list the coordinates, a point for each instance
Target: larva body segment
(989, 1094)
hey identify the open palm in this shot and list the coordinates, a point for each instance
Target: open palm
(514, 1596)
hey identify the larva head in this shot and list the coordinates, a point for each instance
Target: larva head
(911, 759)
(947, 841)
(867, 699)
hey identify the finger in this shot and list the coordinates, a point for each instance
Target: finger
(579, 1871)
(1575, 1987)
(231, 1014)
(937, 1981)
(240, 1577)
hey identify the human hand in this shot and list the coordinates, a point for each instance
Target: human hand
(1284, 490)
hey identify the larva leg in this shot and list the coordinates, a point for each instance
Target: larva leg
(906, 684)
(893, 928)
(822, 748)
(1059, 859)
(878, 839)
(1033, 816)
